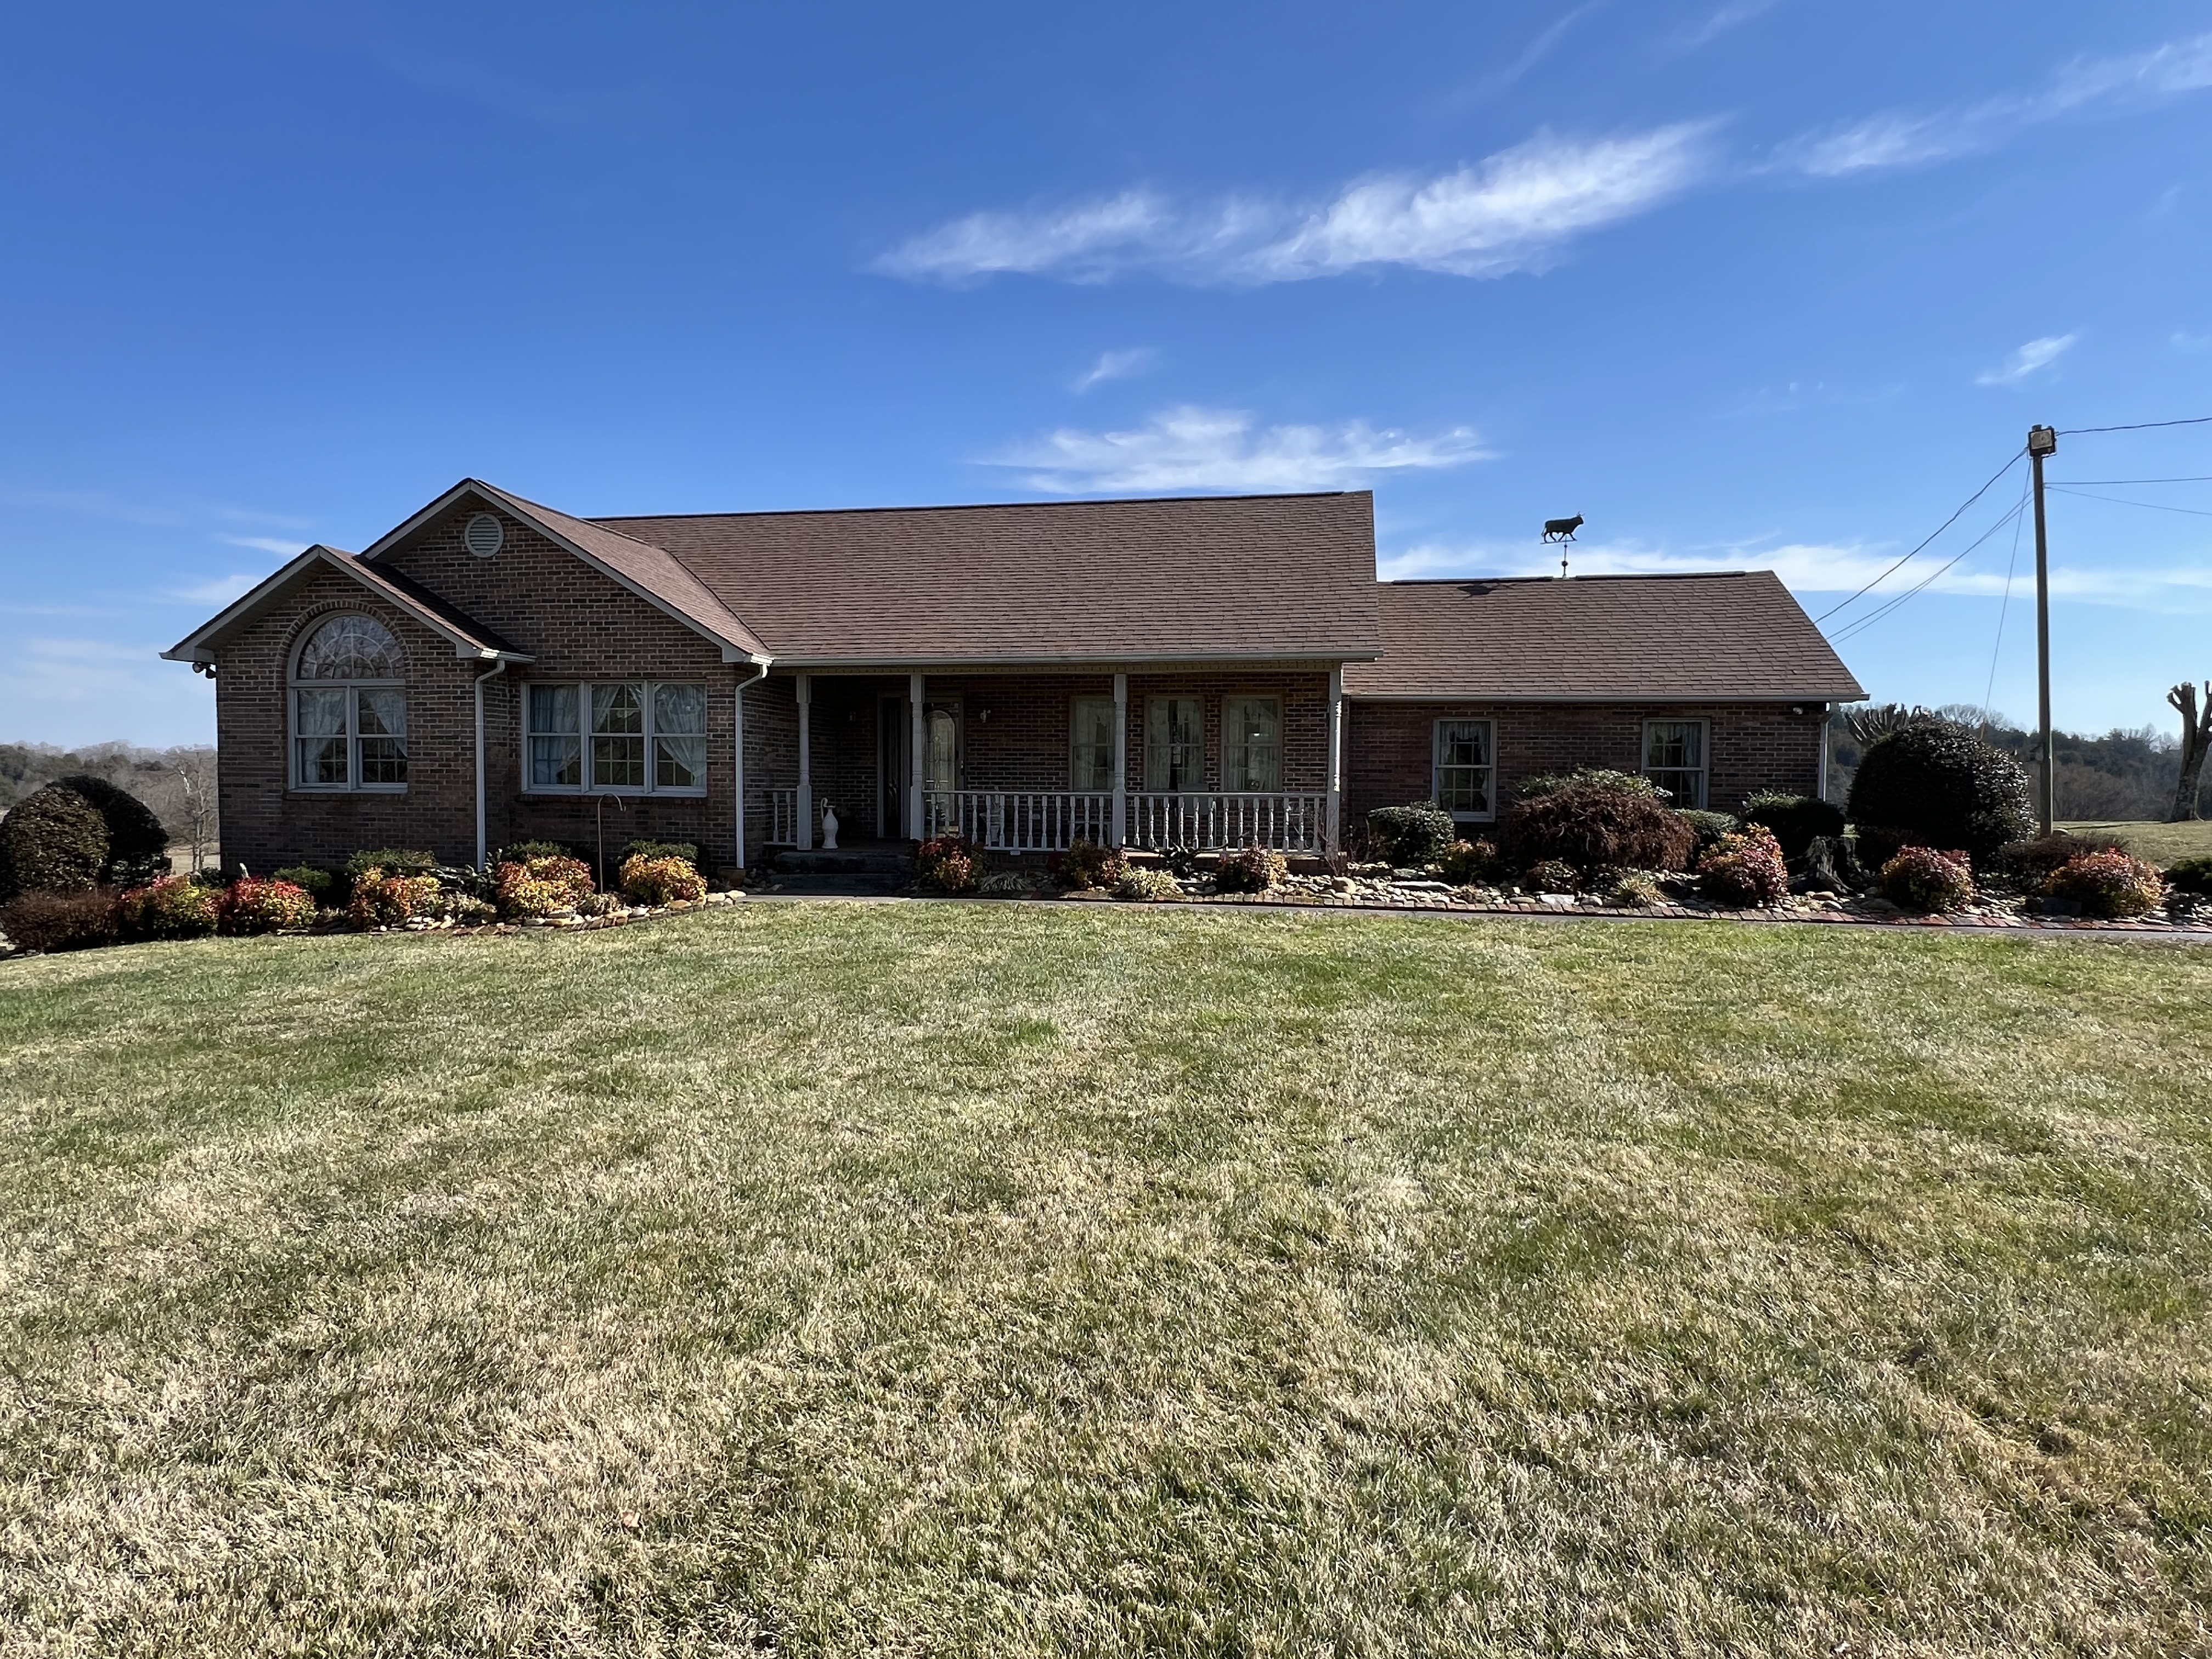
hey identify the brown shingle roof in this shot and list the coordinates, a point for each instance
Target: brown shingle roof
(1204, 576)
(469, 636)
(1733, 634)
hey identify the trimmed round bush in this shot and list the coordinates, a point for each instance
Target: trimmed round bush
(661, 879)
(1410, 837)
(2189, 875)
(1798, 821)
(1467, 862)
(53, 840)
(947, 864)
(384, 901)
(539, 886)
(60, 922)
(1744, 869)
(1250, 870)
(1595, 826)
(1084, 866)
(254, 906)
(137, 845)
(1922, 879)
(175, 907)
(2108, 883)
(1932, 784)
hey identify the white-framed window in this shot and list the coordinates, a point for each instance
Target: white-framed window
(1091, 744)
(1175, 752)
(1465, 768)
(630, 737)
(1674, 759)
(349, 707)
(1251, 745)
(941, 756)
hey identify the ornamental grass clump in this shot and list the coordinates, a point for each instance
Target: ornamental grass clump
(1468, 863)
(1635, 889)
(1086, 866)
(175, 907)
(1410, 837)
(541, 886)
(1250, 870)
(1141, 881)
(1922, 879)
(948, 864)
(60, 922)
(2109, 884)
(1593, 823)
(382, 901)
(256, 906)
(661, 879)
(1744, 869)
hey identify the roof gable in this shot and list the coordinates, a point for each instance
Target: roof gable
(468, 638)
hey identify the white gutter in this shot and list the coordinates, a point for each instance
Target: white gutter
(740, 770)
(496, 670)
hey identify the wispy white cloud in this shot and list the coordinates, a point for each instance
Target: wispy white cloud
(2086, 86)
(2035, 354)
(1115, 366)
(287, 547)
(1513, 211)
(1191, 448)
(1732, 16)
(217, 590)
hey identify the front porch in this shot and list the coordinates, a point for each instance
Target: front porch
(1208, 758)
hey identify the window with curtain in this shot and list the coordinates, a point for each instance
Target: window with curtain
(630, 737)
(349, 707)
(1090, 745)
(1251, 744)
(1674, 759)
(1464, 770)
(1175, 754)
(940, 741)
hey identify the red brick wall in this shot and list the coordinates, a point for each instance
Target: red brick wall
(1749, 746)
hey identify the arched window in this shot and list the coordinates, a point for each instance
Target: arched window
(349, 707)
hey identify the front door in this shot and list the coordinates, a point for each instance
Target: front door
(893, 739)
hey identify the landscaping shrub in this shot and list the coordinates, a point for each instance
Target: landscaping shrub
(1922, 879)
(1010, 884)
(1930, 783)
(523, 851)
(53, 840)
(1250, 870)
(2189, 875)
(1744, 868)
(137, 845)
(542, 885)
(602, 904)
(1180, 860)
(392, 862)
(688, 851)
(1467, 862)
(1086, 865)
(1408, 837)
(661, 879)
(60, 922)
(252, 906)
(1590, 777)
(1798, 821)
(1553, 876)
(1635, 889)
(948, 864)
(2108, 883)
(1595, 826)
(1707, 827)
(175, 907)
(318, 884)
(1142, 881)
(385, 901)
(468, 910)
(2031, 864)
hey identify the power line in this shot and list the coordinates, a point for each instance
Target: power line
(2137, 426)
(2205, 477)
(1938, 531)
(2155, 507)
(2012, 563)
(1874, 616)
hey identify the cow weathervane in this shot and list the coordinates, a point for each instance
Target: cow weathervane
(1562, 530)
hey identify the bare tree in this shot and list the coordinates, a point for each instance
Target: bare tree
(2195, 741)
(195, 771)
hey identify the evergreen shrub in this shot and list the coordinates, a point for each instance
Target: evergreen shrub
(1595, 825)
(254, 906)
(1922, 879)
(174, 907)
(1250, 870)
(53, 840)
(1410, 837)
(2108, 883)
(60, 922)
(1798, 821)
(663, 878)
(1930, 783)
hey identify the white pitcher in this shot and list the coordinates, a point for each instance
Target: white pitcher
(828, 829)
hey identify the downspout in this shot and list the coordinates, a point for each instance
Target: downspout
(739, 771)
(496, 670)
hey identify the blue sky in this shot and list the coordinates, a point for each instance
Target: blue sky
(1744, 283)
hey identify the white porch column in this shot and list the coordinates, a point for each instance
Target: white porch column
(918, 762)
(805, 761)
(1336, 759)
(1121, 760)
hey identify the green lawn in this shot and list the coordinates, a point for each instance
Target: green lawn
(2161, 843)
(962, 1279)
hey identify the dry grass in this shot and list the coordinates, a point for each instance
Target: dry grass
(936, 1279)
(2161, 843)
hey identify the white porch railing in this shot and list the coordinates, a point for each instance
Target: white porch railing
(1286, 823)
(1019, 820)
(782, 817)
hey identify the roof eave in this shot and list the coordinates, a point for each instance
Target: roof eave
(1180, 659)
(197, 646)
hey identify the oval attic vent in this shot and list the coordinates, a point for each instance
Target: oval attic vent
(484, 535)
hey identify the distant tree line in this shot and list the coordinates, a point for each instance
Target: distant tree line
(178, 785)
(2124, 775)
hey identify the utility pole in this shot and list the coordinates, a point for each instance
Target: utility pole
(2043, 440)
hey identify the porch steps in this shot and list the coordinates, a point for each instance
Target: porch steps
(856, 872)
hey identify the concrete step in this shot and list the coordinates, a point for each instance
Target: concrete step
(859, 886)
(855, 861)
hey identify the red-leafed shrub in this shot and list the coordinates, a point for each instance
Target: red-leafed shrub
(1087, 864)
(661, 879)
(1250, 870)
(947, 863)
(2108, 883)
(1922, 879)
(254, 906)
(382, 901)
(1744, 868)
(542, 886)
(175, 907)
(1596, 826)
(60, 922)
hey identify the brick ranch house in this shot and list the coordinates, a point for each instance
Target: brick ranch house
(1206, 673)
